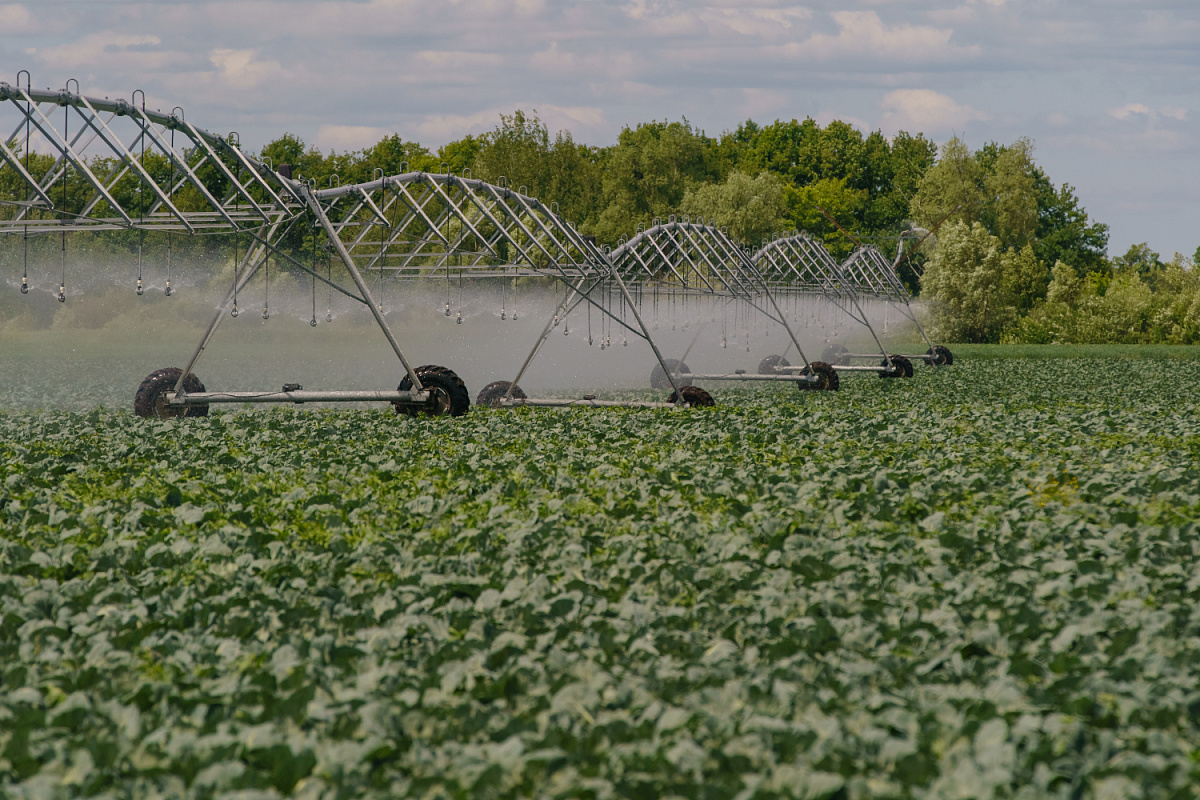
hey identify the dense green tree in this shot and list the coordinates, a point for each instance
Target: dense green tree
(815, 207)
(648, 173)
(1139, 260)
(751, 208)
(975, 287)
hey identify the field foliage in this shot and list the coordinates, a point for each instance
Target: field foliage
(980, 582)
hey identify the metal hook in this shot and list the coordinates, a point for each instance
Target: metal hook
(378, 174)
(339, 180)
(67, 85)
(133, 98)
(468, 174)
(28, 79)
(234, 139)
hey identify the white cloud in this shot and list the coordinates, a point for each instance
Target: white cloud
(1128, 110)
(108, 51)
(925, 110)
(15, 18)
(763, 23)
(862, 34)
(241, 67)
(1141, 111)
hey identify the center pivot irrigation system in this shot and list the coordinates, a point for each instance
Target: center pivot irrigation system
(116, 165)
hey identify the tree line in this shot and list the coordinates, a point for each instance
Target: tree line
(1007, 255)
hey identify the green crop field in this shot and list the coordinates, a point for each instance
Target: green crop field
(981, 582)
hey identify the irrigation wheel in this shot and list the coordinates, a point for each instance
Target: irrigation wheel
(901, 368)
(491, 395)
(658, 378)
(448, 394)
(834, 353)
(694, 396)
(827, 377)
(150, 400)
(942, 356)
(770, 365)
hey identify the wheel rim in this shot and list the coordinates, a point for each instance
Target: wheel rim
(439, 401)
(164, 410)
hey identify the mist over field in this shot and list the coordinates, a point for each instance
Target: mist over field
(95, 348)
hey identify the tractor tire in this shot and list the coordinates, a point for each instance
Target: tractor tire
(694, 396)
(658, 378)
(901, 368)
(491, 395)
(150, 400)
(828, 380)
(942, 357)
(448, 394)
(770, 365)
(834, 354)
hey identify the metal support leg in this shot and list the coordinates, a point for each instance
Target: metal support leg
(567, 297)
(646, 333)
(348, 261)
(216, 320)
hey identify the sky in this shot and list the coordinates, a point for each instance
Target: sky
(1107, 90)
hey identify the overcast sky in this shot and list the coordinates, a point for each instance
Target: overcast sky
(1108, 90)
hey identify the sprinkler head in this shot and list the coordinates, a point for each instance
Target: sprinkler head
(24, 285)
(556, 320)
(447, 309)
(502, 315)
(62, 293)
(514, 316)
(233, 312)
(266, 313)
(140, 288)
(312, 323)
(329, 316)
(459, 320)
(624, 342)
(168, 291)
(589, 341)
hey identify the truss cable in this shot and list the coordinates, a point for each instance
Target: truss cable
(312, 323)
(460, 293)
(141, 241)
(62, 284)
(25, 236)
(141, 200)
(174, 170)
(624, 327)
(266, 284)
